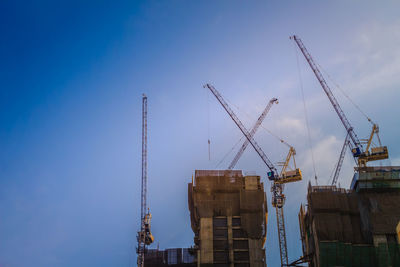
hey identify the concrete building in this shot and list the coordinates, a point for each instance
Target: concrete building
(177, 257)
(228, 213)
(355, 227)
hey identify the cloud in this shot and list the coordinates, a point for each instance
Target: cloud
(373, 58)
(324, 155)
(293, 124)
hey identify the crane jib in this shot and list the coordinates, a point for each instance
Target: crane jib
(244, 131)
(358, 146)
(252, 132)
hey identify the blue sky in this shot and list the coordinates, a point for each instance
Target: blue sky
(71, 78)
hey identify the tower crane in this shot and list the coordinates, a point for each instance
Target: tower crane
(359, 153)
(144, 236)
(278, 180)
(252, 132)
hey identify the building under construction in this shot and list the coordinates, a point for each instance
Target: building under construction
(339, 227)
(355, 227)
(228, 213)
(177, 257)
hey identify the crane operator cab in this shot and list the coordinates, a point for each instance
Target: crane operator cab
(356, 152)
(271, 176)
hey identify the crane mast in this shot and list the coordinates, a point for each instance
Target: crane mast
(144, 237)
(278, 198)
(280, 220)
(252, 132)
(358, 147)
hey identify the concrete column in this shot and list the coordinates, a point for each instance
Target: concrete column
(206, 240)
(230, 240)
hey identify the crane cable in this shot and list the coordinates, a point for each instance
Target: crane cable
(351, 101)
(251, 118)
(346, 95)
(305, 114)
(267, 130)
(208, 126)
(229, 152)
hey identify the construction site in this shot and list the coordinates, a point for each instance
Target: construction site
(355, 226)
(182, 133)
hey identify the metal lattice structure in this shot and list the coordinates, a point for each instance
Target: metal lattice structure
(278, 198)
(252, 132)
(361, 156)
(243, 129)
(340, 161)
(141, 236)
(280, 220)
(328, 92)
(144, 236)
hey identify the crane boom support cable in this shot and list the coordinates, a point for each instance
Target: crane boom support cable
(345, 94)
(306, 114)
(208, 127)
(245, 132)
(264, 128)
(328, 92)
(229, 152)
(276, 188)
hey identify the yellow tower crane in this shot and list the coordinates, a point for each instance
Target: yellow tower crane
(278, 198)
(362, 156)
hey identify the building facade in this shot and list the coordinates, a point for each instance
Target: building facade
(177, 257)
(228, 213)
(355, 227)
